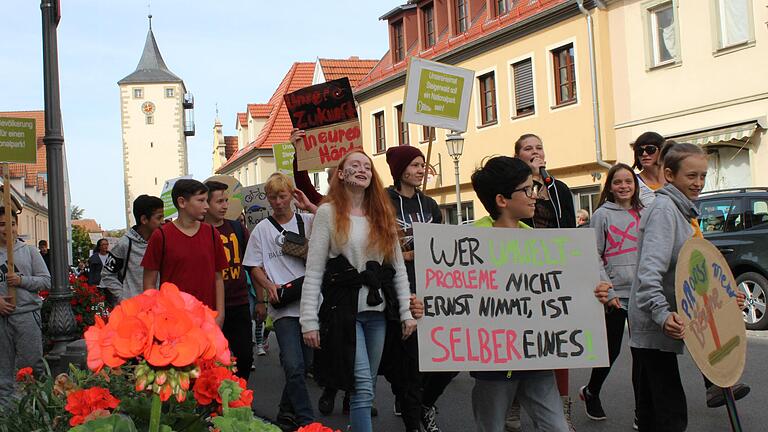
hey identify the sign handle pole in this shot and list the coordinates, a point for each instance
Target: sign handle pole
(429, 154)
(9, 238)
(733, 414)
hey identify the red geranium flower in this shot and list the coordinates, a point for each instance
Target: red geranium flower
(315, 427)
(24, 374)
(82, 403)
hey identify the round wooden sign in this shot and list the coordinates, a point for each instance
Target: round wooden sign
(235, 195)
(705, 292)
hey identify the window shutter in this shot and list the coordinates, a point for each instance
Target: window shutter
(524, 99)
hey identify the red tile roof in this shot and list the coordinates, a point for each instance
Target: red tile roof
(353, 68)
(482, 25)
(278, 127)
(242, 119)
(90, 225)
(230, 146)
(259, 110)
(30, 172)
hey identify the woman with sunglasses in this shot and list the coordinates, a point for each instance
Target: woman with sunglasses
(647, 148)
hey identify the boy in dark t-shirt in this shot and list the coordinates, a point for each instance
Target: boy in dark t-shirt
(187, 252)
(234, 237)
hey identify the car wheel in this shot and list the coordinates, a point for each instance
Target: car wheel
(755, 286)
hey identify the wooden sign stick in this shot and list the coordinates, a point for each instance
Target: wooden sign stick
(733, 414)
(9, 239)
(429, 154)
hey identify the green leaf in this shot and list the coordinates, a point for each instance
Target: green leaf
(113, 423)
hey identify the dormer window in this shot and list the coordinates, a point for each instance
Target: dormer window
(462, 21)
(399, 41)
(502, 7)
(429, 26)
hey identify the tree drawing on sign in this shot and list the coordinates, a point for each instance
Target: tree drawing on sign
(698, 270)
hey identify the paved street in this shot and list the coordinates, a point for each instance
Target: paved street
(456, 414)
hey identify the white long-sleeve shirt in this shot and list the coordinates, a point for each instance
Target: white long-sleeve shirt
(322, 246)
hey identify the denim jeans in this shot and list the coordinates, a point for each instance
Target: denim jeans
(370, 331)
(293, 360)
(537, 393)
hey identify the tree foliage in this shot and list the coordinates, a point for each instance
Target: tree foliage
(76, 213)
(81, 244)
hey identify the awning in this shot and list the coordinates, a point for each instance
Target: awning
(740, 132)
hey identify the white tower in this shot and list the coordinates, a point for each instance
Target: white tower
(157, 117)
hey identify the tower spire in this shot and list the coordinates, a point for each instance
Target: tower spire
(149, 13)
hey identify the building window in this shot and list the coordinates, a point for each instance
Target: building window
(662, 29)
(138, 93)
(734, 22)
(467, 213)
(522, 72)
(149, 119)
(587, 198)
(380, 129)
(402, 127)
(461, 16)
(565, 75)
(487, 99)
(429, 26)
(427, 133)
(169, 92)
(399, 41)
(502, 7)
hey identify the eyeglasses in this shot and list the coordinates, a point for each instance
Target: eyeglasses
(529, 191)
(649, 150)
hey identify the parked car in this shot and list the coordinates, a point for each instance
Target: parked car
(736, 222)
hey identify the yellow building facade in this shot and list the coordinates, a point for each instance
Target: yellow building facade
(532, 42)
(694, 71)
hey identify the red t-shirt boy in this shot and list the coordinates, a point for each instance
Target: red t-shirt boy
(187, 252)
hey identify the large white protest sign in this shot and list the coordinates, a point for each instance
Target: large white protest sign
(508, 299)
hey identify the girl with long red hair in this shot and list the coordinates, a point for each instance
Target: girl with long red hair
(355, 260)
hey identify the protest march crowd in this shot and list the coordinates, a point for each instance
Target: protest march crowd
(334, 278)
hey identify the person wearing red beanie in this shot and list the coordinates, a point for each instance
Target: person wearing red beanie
(415, 392)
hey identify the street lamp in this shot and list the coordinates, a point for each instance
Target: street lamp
(62, 326)
(455, 143)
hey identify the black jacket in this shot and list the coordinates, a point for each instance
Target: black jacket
(335, 360)
(418, 208)
(561, 199)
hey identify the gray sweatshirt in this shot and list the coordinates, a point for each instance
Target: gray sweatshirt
(29, 264)
(123, 274)
(616, 231)
(664, 228)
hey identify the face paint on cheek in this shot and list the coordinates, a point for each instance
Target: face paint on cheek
(349, 175)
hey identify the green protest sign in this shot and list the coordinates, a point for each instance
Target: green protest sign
(437, 95)
(169, 210)
(18, 142)
(284, 153)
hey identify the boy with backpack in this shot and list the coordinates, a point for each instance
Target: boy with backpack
(122, 274)
(188, 252)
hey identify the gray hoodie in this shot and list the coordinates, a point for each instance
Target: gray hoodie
(616, 231)
(29, 264)
(664, 228)
(124, 277)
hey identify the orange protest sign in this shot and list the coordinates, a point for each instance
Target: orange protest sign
(705, 292)
(324, 146)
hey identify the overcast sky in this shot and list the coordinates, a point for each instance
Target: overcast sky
(227, 52)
